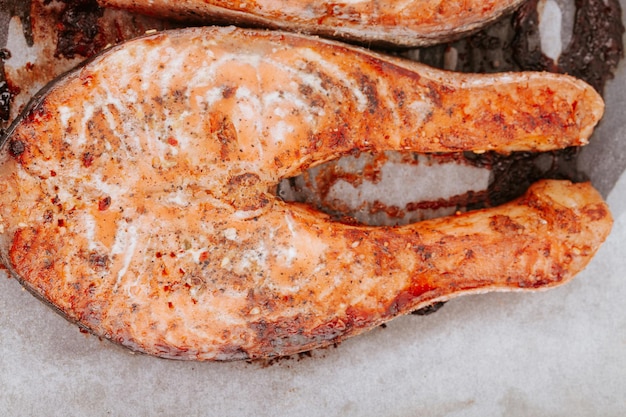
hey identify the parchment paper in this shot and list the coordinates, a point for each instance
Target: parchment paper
(555, 353)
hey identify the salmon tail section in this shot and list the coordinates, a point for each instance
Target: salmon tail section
(541, 240)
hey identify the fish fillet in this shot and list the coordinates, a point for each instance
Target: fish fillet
(138, 192)
(383, 23)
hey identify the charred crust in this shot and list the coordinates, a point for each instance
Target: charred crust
(17, 147)
(429, 309)
(370, 90)
(424, 252)
(48, 216)
(224, 130)
(331, 330)
(557, 274)
(6, 98)
(248, 179)
(434, 94)
(594, 51)
(78, 29)
(287, 336)
(338, 138)
(567, 220)
(504, 224)
(467, 199)
(409, 297)
(228, 91)
(596, 212)
(305, 90)
(513, 174)
(399, 97)
(277, 338)
(98, 261)
(245, 194)
(354, 235)
(232, 353)
(527, 34)
(598, 30)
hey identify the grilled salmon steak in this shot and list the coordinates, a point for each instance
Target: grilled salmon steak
(138, 192)
(388, 22)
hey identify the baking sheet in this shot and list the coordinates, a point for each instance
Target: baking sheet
(555, 353)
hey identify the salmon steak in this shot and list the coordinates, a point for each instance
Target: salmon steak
(407, 23)
(138, 192)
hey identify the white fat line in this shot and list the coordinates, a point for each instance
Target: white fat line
(291, 225)
(90, 230)
(274, 99)
(211, 97)
(106, 97)
(87, 115)
(125, 243)
(280, 131)
(102, 187)
(257, 256)
(108, 116)
(149, 66)
(250, 108)
(66, 113)
(172, 66)
(289, 253)
(306, 78)
(420, 109)
(179, 198)
(136, 283)
(205, 73)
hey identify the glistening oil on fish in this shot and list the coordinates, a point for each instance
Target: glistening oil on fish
(147, 213)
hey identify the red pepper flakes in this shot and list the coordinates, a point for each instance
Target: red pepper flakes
(104, 204)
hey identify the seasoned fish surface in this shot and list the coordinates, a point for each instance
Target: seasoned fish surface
(388, 22)
(138, 192)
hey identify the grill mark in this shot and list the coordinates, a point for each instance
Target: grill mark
(17, 148)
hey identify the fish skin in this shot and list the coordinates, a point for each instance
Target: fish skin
(388, 23)
(138, 192)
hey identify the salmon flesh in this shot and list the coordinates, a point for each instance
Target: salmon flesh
(138, 192)
(387, 23)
